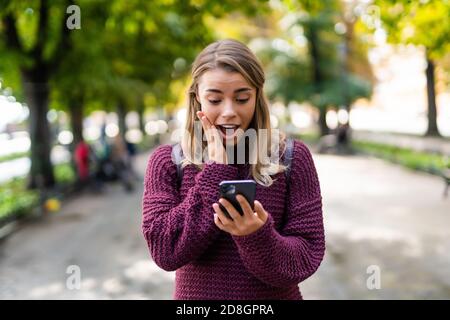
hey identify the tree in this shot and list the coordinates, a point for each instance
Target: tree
(72, 88)
(423, 23)
(141, 41)
(318, 73)
(161, 40)
(35, 39)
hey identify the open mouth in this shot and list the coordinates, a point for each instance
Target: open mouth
(228, 131)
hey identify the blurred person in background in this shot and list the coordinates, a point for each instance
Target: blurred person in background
(120, 159)
(81, 157)
(87, 164)
(132, 151)
(343, 138)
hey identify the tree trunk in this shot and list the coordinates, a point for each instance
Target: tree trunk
(121, 113)
(315, 58)
(317, 76)
(36, 89)
(324, 130)
(141, 119)
(431, 97)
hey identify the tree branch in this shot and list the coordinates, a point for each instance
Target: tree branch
(12, 37)
(42, 30)
(65, 43)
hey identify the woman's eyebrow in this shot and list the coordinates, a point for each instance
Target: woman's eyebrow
(235, 91)
(242, 90)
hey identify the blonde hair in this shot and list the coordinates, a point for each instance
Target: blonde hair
(234, 56)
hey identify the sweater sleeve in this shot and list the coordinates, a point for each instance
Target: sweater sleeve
(176, 231)
(287, 257)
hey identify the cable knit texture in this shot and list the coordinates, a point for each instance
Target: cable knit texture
(178, 225)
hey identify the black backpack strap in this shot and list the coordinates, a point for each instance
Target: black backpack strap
(177, 157)
(287, 160)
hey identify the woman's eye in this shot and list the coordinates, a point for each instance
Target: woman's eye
(242, 101)
(214, 101)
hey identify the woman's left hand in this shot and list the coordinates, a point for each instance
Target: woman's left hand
(240, 225)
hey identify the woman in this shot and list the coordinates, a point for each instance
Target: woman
(263, 254)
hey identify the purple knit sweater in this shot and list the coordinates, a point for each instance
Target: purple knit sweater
(212, 264)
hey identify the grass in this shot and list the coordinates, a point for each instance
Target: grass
(433, 163)
(428, 162)
(308, 137)
(14, 156)
(16, 201)
(64, 173)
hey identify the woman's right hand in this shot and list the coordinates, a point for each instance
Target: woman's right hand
(216, 150)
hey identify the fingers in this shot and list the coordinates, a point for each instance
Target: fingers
(218, 222)
(230, 209)
(205, 124)
(260, 211)
(224, 220)
(216, 150)
(207, 127)
(240, 225)
(248, 211)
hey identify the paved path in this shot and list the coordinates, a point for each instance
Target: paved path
(99, 233)
(375, 214)
(381, 214)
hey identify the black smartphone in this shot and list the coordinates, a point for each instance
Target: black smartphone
(230, 188)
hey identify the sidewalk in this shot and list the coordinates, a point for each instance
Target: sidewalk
(99, 233)
(381, 214)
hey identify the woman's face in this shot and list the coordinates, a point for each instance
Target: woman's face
(228, 101)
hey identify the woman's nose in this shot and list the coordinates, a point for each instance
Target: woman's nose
(228, 109)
